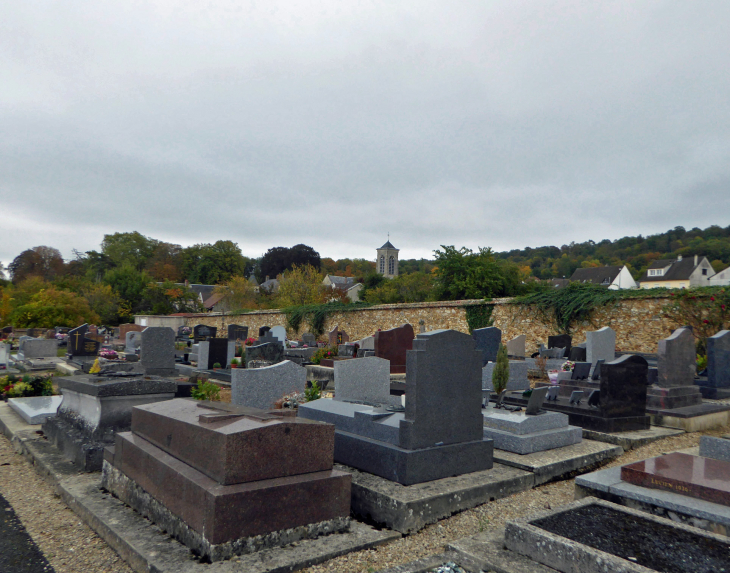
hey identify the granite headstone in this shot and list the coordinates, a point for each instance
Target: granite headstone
(392, 345)
(676, 359)
(203, 332)
(237, 332)
(157, 351)
(79, 344)
(487, 342)
(561, 341)
(601, 345)
(516, 346)
(261, 387)
(623, 387)
(363, 380)
(718, 360)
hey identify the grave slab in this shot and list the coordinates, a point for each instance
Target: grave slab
(630, 440)
(36, 410)
(408, 509)
(715, 448)
(705, 416)
(557, 463)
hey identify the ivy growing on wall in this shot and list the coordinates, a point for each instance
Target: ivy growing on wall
(315, 315)
(479, 316)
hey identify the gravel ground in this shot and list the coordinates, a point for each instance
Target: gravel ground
(70, 546)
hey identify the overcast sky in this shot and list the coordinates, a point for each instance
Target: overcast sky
(330, 123)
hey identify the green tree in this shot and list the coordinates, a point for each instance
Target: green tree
(51, 307)
(413, 287)
(132, 249)
(279, 259)
(464, 274)
(44, 262)
(500, 373)
(105, 302)
(213, 264)
(130, 284)
(238, 293)
(301, 285)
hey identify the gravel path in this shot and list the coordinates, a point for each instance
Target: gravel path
(70, 546)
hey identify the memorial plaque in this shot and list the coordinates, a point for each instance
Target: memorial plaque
(581, 371)
(536, 399)
(693, 476)
(337, 336)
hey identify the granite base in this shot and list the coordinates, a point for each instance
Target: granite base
(658, 398)
(695, 418)
(75, 446)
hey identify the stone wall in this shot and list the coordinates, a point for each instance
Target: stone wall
(638, 323)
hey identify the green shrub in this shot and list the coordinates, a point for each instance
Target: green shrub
(500, 374)
(313, 393)
(206, 391)
(217, 365)
(329, 352)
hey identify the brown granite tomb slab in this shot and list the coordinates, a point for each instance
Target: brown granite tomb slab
(693, 476)
(231, 448)
(223, 513)
(392, 345)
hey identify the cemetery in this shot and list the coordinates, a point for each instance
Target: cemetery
(410, 429)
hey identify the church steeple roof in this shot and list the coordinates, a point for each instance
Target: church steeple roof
(388, 245)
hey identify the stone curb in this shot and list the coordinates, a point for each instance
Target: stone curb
(144, 546)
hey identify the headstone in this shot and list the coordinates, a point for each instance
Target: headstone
(594, 399)
(279, 332)
(309, 339)
(261, 387)
(601, 345)
(157, 351)
(237, 332)
(337, 336)
(718, 360)
(393, 344)
(596, 375)
(263, 330)
(79, 344)
(270, 351)
(442, 418)
(367, 343)
(347, 350)
(487, 342)
(39, 348)
(203, 332)
(535, 402)
(184, 332)
(561, 341)
(363, 380)
(578, 353)
(213, 351)
(228, 479)
(518, 380)
(581, 371)
(623, 387)
(4, 353)
(516, 346)
(133, 341)
(676, 359)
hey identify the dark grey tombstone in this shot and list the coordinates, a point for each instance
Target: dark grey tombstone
(623, 387)
(718, 360)
(203, 332)
(347, 350)
(79, 345)
(561, 341)
(444, 389)
(237, 332)
(552, 394)
(217, 352)
(677, 359)
(536, 399)
(487, 341)
(157, 351)
(263, 330)
(269, 338)
(652, 376)
(578, 353)
(594, 400)
(581, 371)
(576, 396)
(309, 339)
(597, 369)
(272, 352)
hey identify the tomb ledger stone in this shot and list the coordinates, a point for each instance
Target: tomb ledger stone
(246, 474)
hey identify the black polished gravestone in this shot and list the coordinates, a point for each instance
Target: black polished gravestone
(237, 332)
(578, 353)
(561, 341)
(621, 400)
(217, 352)
(203, 332)
(269, 348)
(263, 330)
(79, 345)
(581, 371)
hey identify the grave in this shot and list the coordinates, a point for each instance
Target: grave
(347, 350)
(309, 339)
(125, 328)
(213, 351)
(203, 332)
(38, 348)
(279, 332)
(81, 346)
(336, 336)
(578, 353)
(157, 351)
(392, 345)
(717, 383)
(94, 407)
(487, 341)
(675, 401)
(268, 348)
(601, 345)
(715, 448)
(516, 346)
(263, 330)
(133, 341)
(37, 409)
(4, 354)
(622, 399)
(517, 376)
(253, 480)
(561, 341)
(237, 332)
(442, 418)
(261, 387)
(364, 380)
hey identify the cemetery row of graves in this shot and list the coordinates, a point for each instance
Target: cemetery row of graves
(262, 453)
